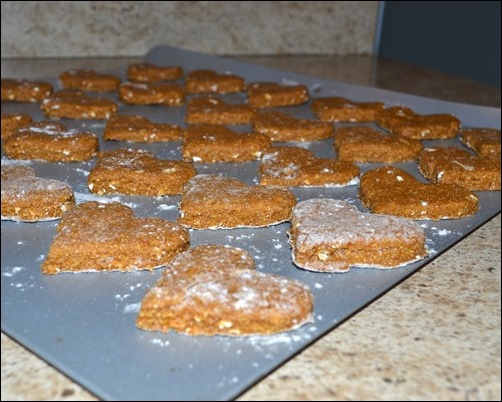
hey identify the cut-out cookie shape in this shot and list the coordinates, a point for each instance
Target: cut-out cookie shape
(483, 141)
(138, 172)
(88, 80)
(405, 122)
(388, 190)
(207, 81)
(283, 127)
(12, 121)
(209, 144)
(329, 235)
(24, 90)
(216, 290)
(50, 141)
(108, 237)
(365, 144)
(217, 202)
(151, 93)
(271, 94)
(122, 127)
(343, 110)
(28, 198)
(147, 72)
(210, 110)
(299, 167)
(457, 166)
(77, 105)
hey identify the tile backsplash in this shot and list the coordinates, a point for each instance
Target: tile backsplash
(129, 28)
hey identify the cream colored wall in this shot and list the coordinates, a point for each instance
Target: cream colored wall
(127, 28)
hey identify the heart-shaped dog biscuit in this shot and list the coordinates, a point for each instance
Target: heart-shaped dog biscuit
(24, 90)
(483, 141)
(28, 198)
(450, 165)
(108, 237)
(88, 80)
(405, 122)
(329, 235)
(151, 93)
(138, 172)
(217, 202)
(148, 72)
(206, 81)
(123, 127)
(50, 141)
(211, 110)
(388, 190)
(299, 167)
(77, 105)
(271, 94)
(343, 110)
(283, 127)
(215, 290)
(365, 144)
(211, 143)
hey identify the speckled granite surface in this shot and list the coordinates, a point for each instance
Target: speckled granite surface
(436, 336)
(118, 28)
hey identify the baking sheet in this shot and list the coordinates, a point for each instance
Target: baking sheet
(83, 324)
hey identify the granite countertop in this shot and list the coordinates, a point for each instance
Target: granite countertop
(436, 336)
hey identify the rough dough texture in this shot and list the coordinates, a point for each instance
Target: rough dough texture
(24, 90)
(271, 94)
(52, 142)
(211, 110)
(215, 290)
(88, 80)
(457, 166)
(405, 122)
(365, 144)
(217, 202)
(138, 172)
(12, 121)
(280, 126)
(207, 81)
(122, 127)
(292, 166)
(108, 237)
(28, 198)
(389, 190)
(343, 110)
(210, 143)
(154, 93)
(483, 141)
(329, 235)
(147, 72)
(77, 105)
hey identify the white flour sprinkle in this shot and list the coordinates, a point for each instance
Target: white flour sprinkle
(132, 307)
(165, 207)
(12, 271)
(160, 342)
(81, 197)
(82, 171)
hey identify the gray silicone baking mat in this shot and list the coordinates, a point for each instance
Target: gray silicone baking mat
(83, 324)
